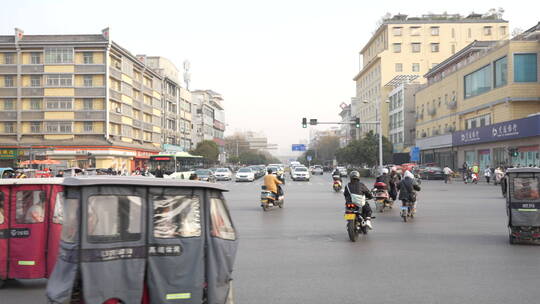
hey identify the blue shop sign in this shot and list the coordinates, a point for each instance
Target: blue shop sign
(513, 129)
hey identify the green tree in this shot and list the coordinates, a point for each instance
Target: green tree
(208, 149)
(365, 151)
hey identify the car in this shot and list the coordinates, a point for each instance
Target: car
(317, 170)
(205, 175)
(223, 174)
(342, 171)
(432, 173)
(257, 171)
(245, 175)
(300, 173)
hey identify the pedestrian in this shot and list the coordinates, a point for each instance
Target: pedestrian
(465, 171)
(159, 172)
(447, 175)
(487, 174)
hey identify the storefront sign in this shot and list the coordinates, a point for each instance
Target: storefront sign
(513, 129)
(8, 153)
(172, 148)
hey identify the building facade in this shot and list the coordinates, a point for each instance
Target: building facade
(410, 46)
(401, 114)
(209, 119)
(80, 99)
(482, 105)
(347, 132)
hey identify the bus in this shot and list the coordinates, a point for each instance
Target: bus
(177, 164)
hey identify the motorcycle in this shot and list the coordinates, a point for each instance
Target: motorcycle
(382, 197)
(336, 185)
(356, 223)
(270, 199)
(407, 211)
(474, 178)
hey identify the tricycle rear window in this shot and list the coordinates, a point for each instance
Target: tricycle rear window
(30, 206)
(114, 218)
(58, 216)
(176, 216)
(526, 188)
(221, 224)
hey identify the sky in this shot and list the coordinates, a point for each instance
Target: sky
(274, 62)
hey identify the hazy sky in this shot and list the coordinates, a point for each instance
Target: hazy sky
(274, 61)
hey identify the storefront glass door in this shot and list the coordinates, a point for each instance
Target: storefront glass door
(470, 158)
(484, 159)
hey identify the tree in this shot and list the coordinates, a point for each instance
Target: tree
(208, 149)
(323, 150)
(365, 151)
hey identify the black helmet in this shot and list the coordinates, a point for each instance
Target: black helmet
(355, 175)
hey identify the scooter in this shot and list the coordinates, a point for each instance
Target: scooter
(407, 211)
(336, 185)
(474, 178)
(270, 199)
(381, 196)
(356, 223)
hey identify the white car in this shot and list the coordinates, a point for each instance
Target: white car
(245, 175)
(223, 174)
(317, 170)
(300, 173)
(342, 171)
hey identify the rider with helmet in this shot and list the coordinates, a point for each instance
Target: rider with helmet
(356, 187)
(271, 182)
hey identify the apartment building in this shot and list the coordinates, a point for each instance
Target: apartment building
(411, 46)
(208, 119)
(482, 105)
(347, 131)
(80, 99)
(176, 105)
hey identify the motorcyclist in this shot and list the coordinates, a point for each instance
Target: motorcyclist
(336, 174)
(395, 178)
(271, 182)
(407, 190)
(356, 187)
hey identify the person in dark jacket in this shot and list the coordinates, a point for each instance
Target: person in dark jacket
(159, 172)
(395, 178)
(407, 190)
(356, 187)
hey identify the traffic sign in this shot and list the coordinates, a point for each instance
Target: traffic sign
(415, 154)
(299, 147)
(309, 158)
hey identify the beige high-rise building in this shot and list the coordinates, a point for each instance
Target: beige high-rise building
(405, 46)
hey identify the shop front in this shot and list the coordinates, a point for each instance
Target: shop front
(8, 157)
(513, 143)
(117, 159)
(438, 150)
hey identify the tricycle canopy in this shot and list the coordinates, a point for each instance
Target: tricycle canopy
(143, 240)
(523, 196)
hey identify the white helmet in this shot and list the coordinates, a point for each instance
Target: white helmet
(385, 170)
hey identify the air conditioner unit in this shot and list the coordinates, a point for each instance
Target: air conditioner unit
(118, 110)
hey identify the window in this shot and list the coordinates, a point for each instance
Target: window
(397, 47)
(453, 48)
(8, 81)
(88, 127)
(88, 104)
(58, 55)
(35, 104)
(30, 207)
(415, 47)
(434, 64)
(9, 127)
(35, 81)
(434, 31)
(58, 127)
(399, 67)
(35, 127)
(9, 104)
(501, 72)
(487, 30)
(70, 226)
(416, 67)
(176, 216)
(480, 121)
(35, 58)
(87, 80)
(478, 82)
(58, 215)
(415, 31)
(220, 225)
(88, 58)
(525, 68)
(9, 58)
(526, 187)
(59, 104)
(114, 218)
(434, 47)
(396, 31)
(59, 80)
(469, 33)
(502, 30)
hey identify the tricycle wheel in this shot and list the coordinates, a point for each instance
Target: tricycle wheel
(281, 204)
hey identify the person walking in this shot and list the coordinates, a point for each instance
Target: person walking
(487, 174)
(447, 175)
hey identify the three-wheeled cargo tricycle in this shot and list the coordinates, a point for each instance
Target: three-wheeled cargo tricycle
(523, 204)
(30, 227)
(143, 240)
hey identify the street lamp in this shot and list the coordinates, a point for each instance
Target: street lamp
(378, 122)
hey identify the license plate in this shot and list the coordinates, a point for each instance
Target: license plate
(350, 216)
(264, 200)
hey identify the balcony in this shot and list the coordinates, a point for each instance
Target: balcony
(115, 95)
(147, 126)
(115, 73)
(8, 92)
(147, 108)
(452, 104)
(8, 115)
(8, 69)
(147, 90)
(156, 103)
(32, 92)
(432, 111)
(34, 115)
(137, 123)
(90, 115)
(113, 117)
(90, 92)
(137, 104)
(137, 85)
(90, 69)
(32, 69)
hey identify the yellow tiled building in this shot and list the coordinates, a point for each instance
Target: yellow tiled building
(482, 105)
(407, 46)
(80, 99)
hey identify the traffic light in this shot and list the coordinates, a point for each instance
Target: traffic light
(513, 152)
(357, 122)
(313, 122)
(304, 122)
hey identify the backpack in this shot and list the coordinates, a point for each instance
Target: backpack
(357, 199)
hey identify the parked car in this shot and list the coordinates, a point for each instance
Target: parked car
(342, 171)
(223, 174)
(432, 173)
(317, 170)
(245, 175)
(205, 175)
(257, 171)
(300, 173)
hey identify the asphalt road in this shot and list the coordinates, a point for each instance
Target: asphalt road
(456, 250)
